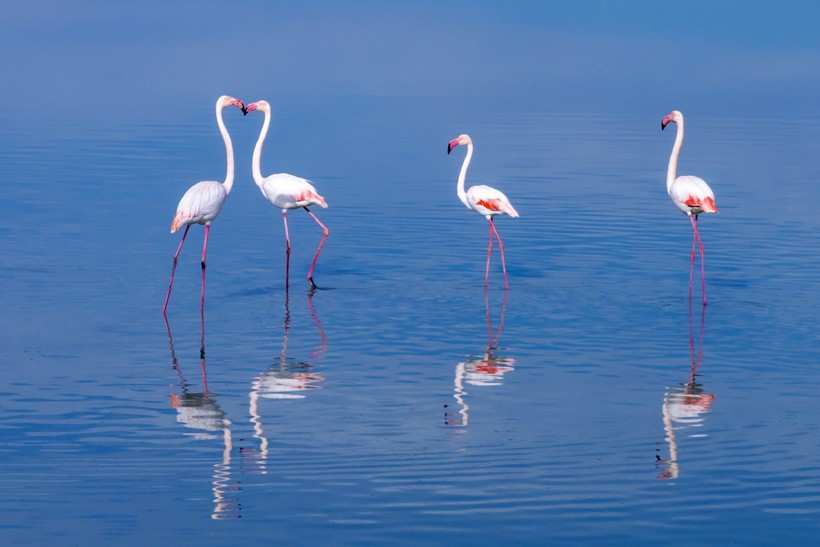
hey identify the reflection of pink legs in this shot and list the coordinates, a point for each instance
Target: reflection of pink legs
(204, 251)
(489, 252)
(287, 243)
(492, 339)
(174, 269)
(697, 239)
(325, 233)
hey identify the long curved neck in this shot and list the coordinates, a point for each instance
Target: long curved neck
(228, 184)
(257, 150)
(673, 158)
(462, 195)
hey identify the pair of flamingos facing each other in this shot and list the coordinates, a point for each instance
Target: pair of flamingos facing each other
(203, 201)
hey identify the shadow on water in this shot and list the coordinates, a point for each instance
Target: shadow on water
(483, 370)
(684, 404)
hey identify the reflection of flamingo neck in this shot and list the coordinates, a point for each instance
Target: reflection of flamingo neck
(224, 507)
(459, 393)
(672, 471)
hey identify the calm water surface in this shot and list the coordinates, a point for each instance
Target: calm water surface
(402, 403)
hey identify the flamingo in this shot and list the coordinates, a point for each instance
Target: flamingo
(689, 194)
(204, 200)
(286, 192)
(484, 200)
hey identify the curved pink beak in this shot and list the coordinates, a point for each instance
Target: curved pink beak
(453, 143)
(665, 121)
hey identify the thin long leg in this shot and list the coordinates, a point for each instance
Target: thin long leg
(287, 244)
(501, 248)
(489, 252)
(702, 265)
(204, 252)
(174, 268)
(325, 233)
(692, 262)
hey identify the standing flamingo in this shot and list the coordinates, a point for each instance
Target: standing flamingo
(286, 191)
(690, 194)
(484, 200)
(204, 200)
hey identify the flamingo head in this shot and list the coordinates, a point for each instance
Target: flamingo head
(226, 101)
(262, 106)
(461, 139)
(673, 117)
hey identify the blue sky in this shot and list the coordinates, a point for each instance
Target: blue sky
(561, 55)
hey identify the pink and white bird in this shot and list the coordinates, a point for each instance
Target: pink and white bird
(203, 201)
(484, 200)
(286, 191)
(689, 194)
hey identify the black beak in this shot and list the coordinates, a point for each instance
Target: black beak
(663, 126)
(244, 110)
(449, 149)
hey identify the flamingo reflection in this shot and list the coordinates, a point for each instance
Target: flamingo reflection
(200, 411)
(483, 370)
(286, 378)
(684, 405)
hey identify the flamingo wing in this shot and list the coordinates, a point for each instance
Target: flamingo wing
(200, 204)
(488, 201)
(290, 192)
(692, 195)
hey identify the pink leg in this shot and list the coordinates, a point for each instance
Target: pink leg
(702, 265)
(325, 233)
(489, 252)
(204, 251)
(501, 248)
(287, 244)
(174, 269)
(692, 261)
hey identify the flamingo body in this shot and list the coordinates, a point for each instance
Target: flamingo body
(201, 204)
(692, 195)
(290, 192)
(484, 200)
(203, 201)
(689, 194)
(488, 202)
(286, 191)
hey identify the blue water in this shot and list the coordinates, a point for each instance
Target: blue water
(372, 411)
(402, 403)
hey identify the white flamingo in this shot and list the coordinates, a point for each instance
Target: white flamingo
(484, 200)
(203, 201)
(689, 194)
(286, 191)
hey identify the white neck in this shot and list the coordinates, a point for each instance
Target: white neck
(228, 184)
(673, 159)
(462, 195)
(257, 150)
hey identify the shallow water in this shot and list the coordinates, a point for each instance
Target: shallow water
(402, 402)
